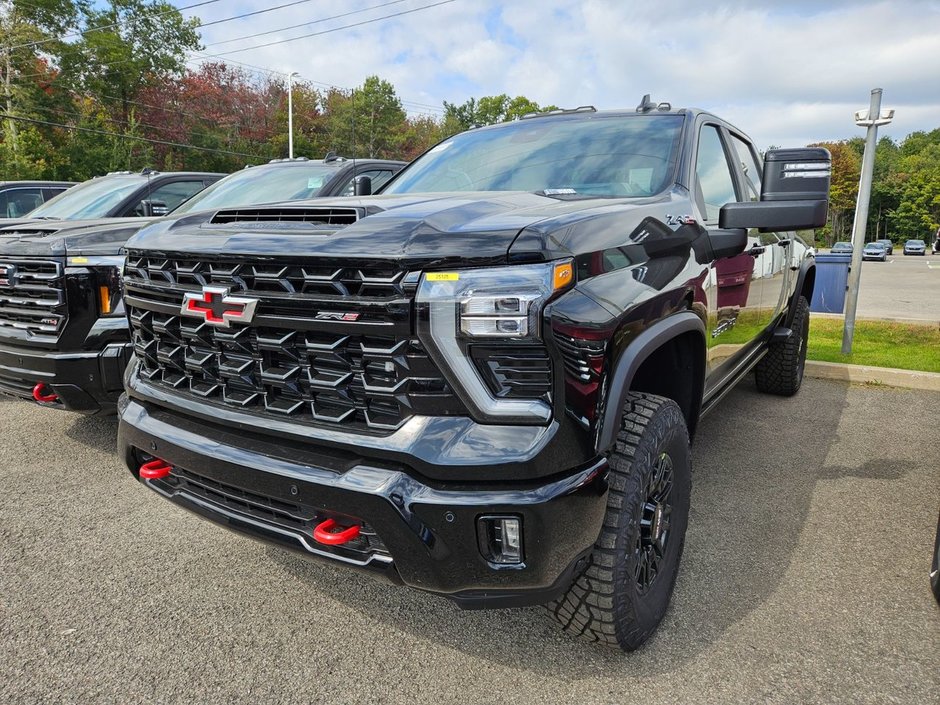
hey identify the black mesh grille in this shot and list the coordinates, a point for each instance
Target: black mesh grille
(32, 295)
(296, 517)
(367, 372)
(267, 277)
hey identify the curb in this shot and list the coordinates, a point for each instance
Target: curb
(866, 374)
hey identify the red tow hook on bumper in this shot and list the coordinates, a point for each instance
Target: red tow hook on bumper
(155, 470)
(324, 533)
(43, 394)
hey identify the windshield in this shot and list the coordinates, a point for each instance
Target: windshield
(91, 199)
(264, 184)
(595, 156)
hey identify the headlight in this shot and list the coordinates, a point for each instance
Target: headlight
(105, 271)
(498, 306)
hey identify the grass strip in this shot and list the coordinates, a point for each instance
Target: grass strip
(905, 346)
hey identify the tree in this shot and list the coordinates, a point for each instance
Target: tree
(488, 110)
(368, 121)
(127, 46)
(846, 171)
(29, 32)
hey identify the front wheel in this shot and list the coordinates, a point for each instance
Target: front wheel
(621, 596)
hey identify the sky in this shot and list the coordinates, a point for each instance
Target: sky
(787, 72)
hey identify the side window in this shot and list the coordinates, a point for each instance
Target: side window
(18, 202)
(714, 183)
(378, 176)
(172, 194)
(750, 165)
(48, 193)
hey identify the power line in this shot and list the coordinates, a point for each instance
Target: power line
(256, 12)
(128, 123)
(106, 26)
(329, 31)
(304, 24)
(106, 133)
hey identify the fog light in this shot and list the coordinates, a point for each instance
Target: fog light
(500, 539)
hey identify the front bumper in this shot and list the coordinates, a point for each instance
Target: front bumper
(421, 534)
(86, 382)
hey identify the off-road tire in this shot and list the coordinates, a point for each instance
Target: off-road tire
(606, 603)
(781, 369)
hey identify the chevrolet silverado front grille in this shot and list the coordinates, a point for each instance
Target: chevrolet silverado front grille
(302, 358)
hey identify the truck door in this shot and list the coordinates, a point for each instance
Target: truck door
(775, 260)
(734, 295)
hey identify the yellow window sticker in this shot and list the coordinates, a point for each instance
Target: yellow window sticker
(442, 276)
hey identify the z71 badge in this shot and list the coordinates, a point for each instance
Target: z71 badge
(680, 220)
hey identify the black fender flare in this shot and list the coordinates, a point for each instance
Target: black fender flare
(809, 264)
(629, 362)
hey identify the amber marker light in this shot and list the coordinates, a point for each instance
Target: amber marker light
(104, 297)
(564, 275)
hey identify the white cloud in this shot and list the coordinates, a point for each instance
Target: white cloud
(785, 72)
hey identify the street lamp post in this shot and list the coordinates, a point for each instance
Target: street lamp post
(871, 118)
(290, 114)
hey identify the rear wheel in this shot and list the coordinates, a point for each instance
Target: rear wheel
(781, 369)
(621, 596)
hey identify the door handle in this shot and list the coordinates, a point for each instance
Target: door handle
(756, 250)
(784, 243)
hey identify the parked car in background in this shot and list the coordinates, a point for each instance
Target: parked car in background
(889, 245)
(64, 340)
(915, 247)
(842, 248)
(936, 244)
(874, 251)
(122, 194)
(17, 198)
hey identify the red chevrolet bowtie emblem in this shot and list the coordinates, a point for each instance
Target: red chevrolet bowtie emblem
(217, 308)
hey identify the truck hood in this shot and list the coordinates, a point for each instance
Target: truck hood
(58, 238)
(454, 228)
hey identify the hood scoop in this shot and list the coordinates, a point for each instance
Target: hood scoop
(298, 215)
(41, 232)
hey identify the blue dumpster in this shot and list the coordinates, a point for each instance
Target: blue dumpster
(832, 277)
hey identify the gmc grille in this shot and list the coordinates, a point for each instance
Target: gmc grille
(32, 295)
(288, 363)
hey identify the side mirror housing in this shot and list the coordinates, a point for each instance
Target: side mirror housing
(153, 209)
(794, 193)
(362, 186)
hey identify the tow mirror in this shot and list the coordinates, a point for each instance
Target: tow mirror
(153, 209)
(794, 193)
(362, 186)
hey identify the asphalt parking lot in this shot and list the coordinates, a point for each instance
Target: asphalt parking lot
(804, 580)
(906, 287)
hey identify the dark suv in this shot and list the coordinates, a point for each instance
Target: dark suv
(64, 340)
(17, 198)
(122, 194)
(483, 382)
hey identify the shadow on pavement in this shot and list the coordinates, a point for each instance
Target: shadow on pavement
(99, 432)
(756, 463)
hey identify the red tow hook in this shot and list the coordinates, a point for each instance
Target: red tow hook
(155, 470)
(43, 394)
(324, 533)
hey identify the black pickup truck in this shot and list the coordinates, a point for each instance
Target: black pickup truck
(483, 382)
(64, 340)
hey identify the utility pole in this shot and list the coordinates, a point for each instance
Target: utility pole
(290, 114)
(871, 118)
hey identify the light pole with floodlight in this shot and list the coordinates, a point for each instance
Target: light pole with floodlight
(871, 118)
(290, 114)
